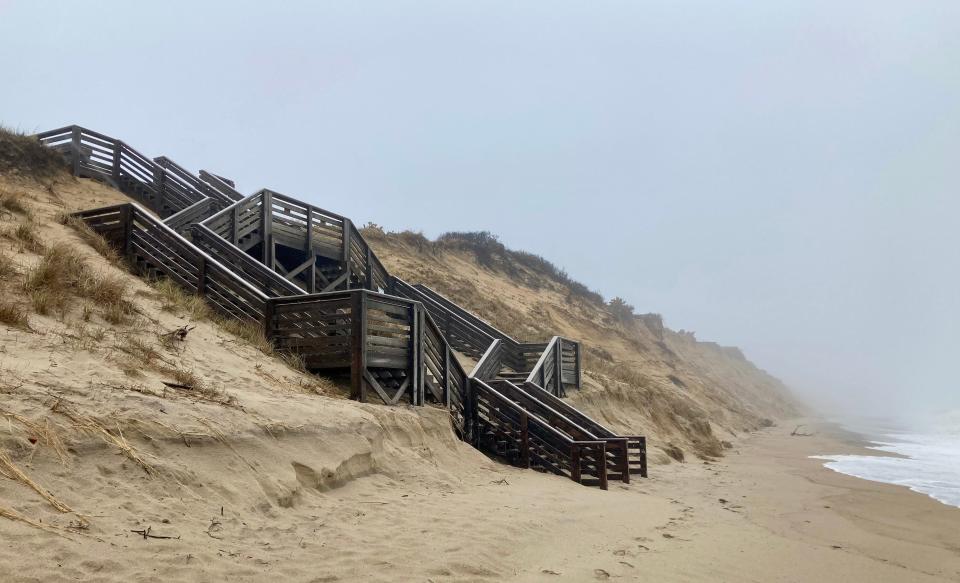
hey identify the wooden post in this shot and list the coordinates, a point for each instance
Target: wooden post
(117, 153)
(558, 354)
(579, 369)
(575, 463)
(75, 147)
(469, 412)
(524, 439)
(643, 457)
(369, 284)
(159, 184)
(421, 352)
(626, 462)
(358, 346)
(266, 226)
(202, 278)
(128, 231)
(601, 466)
(268, 310)
(235, 230)
(312, 288)
(416, 379)
(446, 375)
(347, 227)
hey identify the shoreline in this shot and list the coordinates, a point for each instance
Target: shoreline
(822, 525)
(768, 512)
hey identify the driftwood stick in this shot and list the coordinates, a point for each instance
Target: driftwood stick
(145, 533)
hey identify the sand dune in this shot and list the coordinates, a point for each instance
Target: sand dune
(258, 471)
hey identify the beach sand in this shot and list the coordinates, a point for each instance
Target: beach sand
(440, 511)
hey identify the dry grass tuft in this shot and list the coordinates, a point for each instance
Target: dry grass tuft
(91, 237)
(89, 424)
(7, 267)
(10, 470)
(25, 155)
(14, 202)
(252, 333)
(13, 315)
(43, 434)
(63, 272)
(174, 299)
(11, 514)
(294, 361)
(321, 386)
(143, 353)
(26, 235)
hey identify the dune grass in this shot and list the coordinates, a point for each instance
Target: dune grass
(90, 237)
(62, 273)
(25, 155)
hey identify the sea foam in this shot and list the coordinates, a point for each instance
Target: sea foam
(930, 462)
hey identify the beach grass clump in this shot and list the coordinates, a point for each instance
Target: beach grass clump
(14, 202)
(25, 155)
(91, 237)
(26, 235)
(63, 273)
(251, 333)
(144, 353)
(175, 299)
(7, 267)
(13, 315)
(293, 360)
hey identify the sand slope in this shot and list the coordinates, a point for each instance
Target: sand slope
(640, 378)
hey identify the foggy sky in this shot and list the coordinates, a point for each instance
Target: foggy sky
(781, 176)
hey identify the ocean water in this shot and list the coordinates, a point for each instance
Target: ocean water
(927, 462)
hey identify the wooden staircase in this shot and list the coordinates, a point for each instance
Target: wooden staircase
(316, 287)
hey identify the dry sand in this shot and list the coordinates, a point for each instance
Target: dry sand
(436, 510)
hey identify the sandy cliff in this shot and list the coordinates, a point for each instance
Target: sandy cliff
(687, 396)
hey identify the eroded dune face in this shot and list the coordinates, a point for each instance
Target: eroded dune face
(639, 376)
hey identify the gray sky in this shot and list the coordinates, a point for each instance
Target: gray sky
(781, 176)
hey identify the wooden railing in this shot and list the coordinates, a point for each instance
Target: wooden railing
(272, 218)
(553, 364)
(626, 454)
(191, 215)
(267, 280)
(211, 185)
(511, 431)
(396, 345)
(616, 453)
(368, 332)
(558, 365)
(460, 333)
(153, 248)
(160, 184)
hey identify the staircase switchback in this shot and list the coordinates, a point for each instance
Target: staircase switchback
(310, 280)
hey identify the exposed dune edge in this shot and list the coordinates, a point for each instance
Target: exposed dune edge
(639, 377)
(84, 405)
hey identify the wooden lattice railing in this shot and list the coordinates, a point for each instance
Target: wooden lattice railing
(398, 345)
(367, 332)
(160, 184)
(513, 432)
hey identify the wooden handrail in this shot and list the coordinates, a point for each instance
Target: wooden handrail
(247, 288)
